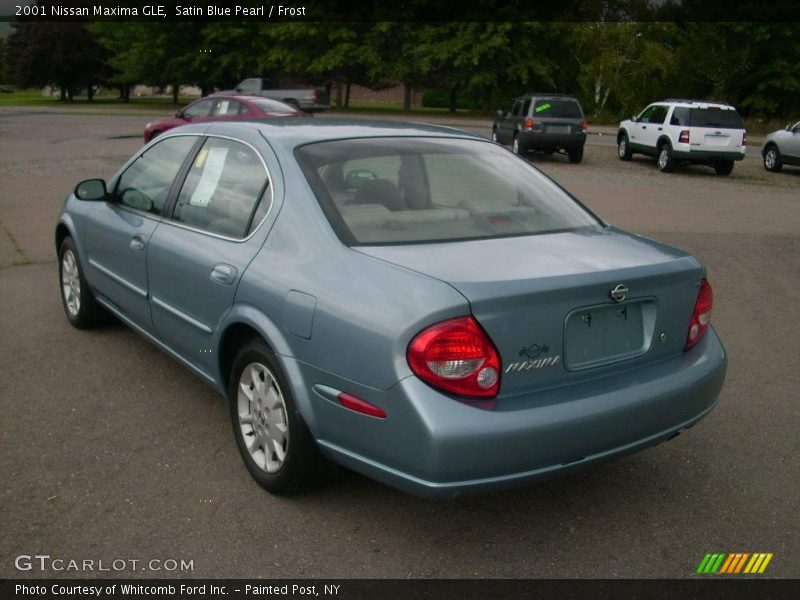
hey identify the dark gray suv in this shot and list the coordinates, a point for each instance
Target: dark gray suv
(543, 122)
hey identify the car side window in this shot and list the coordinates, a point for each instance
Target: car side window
(225, 107)
(659, 114)
(645, 115)
(527, 107)
(680, 116)
(145, 184)
(517, 108)
(223, 189)
(199, 109)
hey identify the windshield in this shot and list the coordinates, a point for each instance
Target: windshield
(715, 117)
(415, 190)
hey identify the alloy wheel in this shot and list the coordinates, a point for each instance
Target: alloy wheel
(71, 283)
(263, 417)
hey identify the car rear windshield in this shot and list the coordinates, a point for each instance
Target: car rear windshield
(273, 106)
(415, 190)
(715, 117)
(568, 109)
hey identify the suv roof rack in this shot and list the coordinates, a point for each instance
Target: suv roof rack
(689, 101)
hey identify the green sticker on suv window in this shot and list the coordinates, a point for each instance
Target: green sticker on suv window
(542, 107)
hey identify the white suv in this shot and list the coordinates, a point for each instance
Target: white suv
(692, 131)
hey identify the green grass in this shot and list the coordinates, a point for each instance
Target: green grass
(81, 103)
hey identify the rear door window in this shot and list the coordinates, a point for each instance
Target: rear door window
(680, 116)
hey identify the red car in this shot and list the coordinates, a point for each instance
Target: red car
(221, 107)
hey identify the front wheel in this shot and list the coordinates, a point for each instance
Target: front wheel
(624, 148)
(772, 159)
(80, 306)
(724, 168)
(575, 156)
(666, 162)
(272, 438)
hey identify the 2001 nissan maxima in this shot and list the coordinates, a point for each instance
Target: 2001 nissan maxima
(413, 302)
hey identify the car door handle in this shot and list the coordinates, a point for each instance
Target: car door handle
(661, 129)
(644, 126)
(138, 242)
(224, 274)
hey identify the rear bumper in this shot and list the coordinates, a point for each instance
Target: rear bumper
(434, 446)
(707, 155)
(532, 140)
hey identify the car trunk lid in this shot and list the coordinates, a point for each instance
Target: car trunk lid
(546, 300)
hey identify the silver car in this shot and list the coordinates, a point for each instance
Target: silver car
(782, 147)
(415, 303)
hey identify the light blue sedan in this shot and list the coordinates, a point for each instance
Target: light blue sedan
(412, 302)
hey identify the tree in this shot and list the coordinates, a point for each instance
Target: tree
(66, 55)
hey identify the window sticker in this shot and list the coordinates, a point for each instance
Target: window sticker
(214, 162)
(542, 107)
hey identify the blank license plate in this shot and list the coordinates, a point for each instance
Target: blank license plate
(557, 129)
(604, 334)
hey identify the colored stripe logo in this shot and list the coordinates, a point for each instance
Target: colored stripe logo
(720, 563)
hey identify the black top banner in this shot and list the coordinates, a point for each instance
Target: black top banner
(403, 10)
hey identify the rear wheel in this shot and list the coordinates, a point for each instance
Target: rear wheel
(623, 148)
(515, 145)
(772, 159)
(666, 162)
(575, 155)
(272, 438)
(724, 168)
(80, 306)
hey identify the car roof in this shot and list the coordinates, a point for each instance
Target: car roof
(294, 132)
(550, 96)
(698, 103)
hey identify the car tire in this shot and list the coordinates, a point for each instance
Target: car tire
(82, 310)
(724, 167)
(666, 162)
(516, 147)
(575, 155)
(274, 441)
(624, 148)
(772, 159)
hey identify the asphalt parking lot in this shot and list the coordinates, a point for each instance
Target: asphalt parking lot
(110, 450)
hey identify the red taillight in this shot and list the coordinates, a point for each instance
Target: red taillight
(684, 137)
(456, 356)
(701, 316)
(744, 138)
(529, 123)
(585, 126)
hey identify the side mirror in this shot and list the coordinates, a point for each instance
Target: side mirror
(91, 190)
(179, 114)
(635, 119)
(499, 112)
